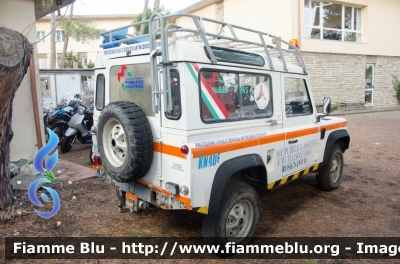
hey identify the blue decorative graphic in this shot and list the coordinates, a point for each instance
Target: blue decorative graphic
(50, 163)
(32, 196)
(43, 152)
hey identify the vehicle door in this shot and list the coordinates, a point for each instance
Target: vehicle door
(301, 132)
(130, 80)
(245, 107)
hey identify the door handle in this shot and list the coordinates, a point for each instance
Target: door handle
(293, 141)
(272, 122)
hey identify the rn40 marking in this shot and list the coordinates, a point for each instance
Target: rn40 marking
(208, 161)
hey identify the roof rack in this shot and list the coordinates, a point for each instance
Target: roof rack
(159, 42)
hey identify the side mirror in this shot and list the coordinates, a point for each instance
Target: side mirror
(327, 106)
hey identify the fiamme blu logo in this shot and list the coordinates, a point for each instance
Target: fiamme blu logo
(49, 164)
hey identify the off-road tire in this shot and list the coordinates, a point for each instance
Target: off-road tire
(329, 175)
(135, 162)
(65, 145)
(214, 225)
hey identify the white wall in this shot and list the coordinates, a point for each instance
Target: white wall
(68, 83)
(272, 17)
(52, 101)
(19, 15)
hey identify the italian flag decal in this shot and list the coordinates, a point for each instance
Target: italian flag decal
(208, 96)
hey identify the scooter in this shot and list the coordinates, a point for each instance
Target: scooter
(79, 128)
(58, 120)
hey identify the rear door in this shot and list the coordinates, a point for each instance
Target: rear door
(300, 154)
(130, 80)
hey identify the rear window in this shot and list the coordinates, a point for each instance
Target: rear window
(235, 56)
(132, 82)
(176, 111)
(100, 89)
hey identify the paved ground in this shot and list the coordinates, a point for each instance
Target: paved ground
(73, 172)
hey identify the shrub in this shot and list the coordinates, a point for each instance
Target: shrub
(90, 64)
(336, 106)
(396, 86)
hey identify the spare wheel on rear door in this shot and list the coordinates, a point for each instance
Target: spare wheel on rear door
(125, 141)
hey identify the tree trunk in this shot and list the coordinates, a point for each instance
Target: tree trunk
(53, 42)
(64, 52)
(156, 8)
(15, 53)
(144, 14)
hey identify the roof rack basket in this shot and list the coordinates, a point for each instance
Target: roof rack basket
(159, 41)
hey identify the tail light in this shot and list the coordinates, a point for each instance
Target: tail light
(96, 160)
(185, 149)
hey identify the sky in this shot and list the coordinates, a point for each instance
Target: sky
(101, 7)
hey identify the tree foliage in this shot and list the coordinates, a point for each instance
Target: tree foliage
(80, 29)
(396, 86)
(163, 10)
(145, 8)
(71, 60)
(90, 64)
(46, 4)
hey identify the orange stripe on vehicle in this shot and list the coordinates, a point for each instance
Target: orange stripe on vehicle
(173, 151)
(302, 133)
(210, 150)
(272, 138)
(217, 149)
(131, 196)
(155, 187)
(157, 147)
(244, 144)
(99, 166)
(142, 182)
(335, 126)
(169, 150)
(178, 197)
(184, 200)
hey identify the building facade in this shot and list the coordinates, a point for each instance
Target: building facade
(349, 54)
(85, 49)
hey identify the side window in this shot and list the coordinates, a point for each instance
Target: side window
(176, 111)
(297, 99)
(232, 96)
(100, 90)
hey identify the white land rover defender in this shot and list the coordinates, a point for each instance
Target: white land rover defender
(186, 119)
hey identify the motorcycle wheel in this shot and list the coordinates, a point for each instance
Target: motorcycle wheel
(59, 130)
(66, 144)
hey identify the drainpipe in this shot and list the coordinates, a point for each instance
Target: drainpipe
(35, 103)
